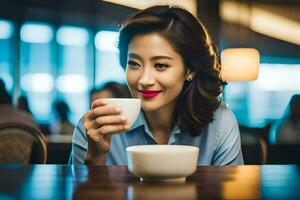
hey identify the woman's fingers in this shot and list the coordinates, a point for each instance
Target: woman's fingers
(103, 134)
(105, 110)
(110, 119)
(99, 133)
(93, 118)
(112, 129)
(102, 141)
(102, 121)
(99, 102)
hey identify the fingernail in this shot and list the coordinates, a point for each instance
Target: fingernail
(118, 109)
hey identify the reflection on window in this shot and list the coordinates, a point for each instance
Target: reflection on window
(37, 82)
(79, 84)
(6, 29)
(107, 62)
(258, 102)
(37, 68)
(72, 36)
(33, 32)
(75, 70)
(6, 53)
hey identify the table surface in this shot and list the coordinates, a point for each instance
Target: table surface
(100, 182)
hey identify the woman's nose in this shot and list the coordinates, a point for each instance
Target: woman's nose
(147, 78)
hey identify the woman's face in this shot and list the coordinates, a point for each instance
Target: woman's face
(155, 71)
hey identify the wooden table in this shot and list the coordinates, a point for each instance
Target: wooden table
(81, 182)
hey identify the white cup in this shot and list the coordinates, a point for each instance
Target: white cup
(130, 107)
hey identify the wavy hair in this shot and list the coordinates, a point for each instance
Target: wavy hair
(200, 97)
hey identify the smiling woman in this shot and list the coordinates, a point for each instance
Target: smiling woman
(155, 72)
(172, 67)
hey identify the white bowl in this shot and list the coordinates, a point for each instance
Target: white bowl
(162, 162)
(130, 107)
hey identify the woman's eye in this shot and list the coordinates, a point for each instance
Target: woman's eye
(161, 66)
(133, 64)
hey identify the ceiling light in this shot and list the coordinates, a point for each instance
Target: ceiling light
(261, 21)
(190, 5)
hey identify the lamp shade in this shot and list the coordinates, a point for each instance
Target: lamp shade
(239, 64)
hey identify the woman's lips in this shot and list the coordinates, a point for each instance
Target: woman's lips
(147, 94)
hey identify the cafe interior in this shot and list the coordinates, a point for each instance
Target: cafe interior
(55, 53)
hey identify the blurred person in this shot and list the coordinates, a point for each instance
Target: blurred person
(61, 124)
(23, 104)
(109, 90)
(9, 114)
(287, 129)
(172, 66)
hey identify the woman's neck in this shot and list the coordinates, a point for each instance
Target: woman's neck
(160, 123)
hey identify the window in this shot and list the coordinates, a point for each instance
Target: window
(259, 102)
(107, 62)
(75, 69)
(37, 68)
(6, 53)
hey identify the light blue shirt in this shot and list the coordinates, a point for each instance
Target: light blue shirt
(219, 142)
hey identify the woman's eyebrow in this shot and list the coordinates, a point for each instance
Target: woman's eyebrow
(162, 57)
(134, 55)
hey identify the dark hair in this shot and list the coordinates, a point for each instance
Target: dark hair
(5, 97)
(23, 104)
(118, 90)
(62, 109)
(199, 98)
(294, 107)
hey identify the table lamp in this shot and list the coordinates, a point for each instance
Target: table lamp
(239, 64)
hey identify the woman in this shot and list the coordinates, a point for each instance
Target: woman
(172, 67)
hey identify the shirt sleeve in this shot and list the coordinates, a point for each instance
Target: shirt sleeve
(79, 144)
(228, 142)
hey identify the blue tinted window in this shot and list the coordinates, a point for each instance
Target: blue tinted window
(37, 68)
(258, 102)
(6, 53)
(107, 62)
(75, 69)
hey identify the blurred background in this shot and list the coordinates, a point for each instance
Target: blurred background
(58, 50)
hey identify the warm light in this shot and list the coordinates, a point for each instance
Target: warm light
(37, 82)
(71, 83)
(275, 26)
(106, 41)
(72, 36)
(239, 64)
(6, 29)
(243, 183)
(261, 20)
(234, 12)
(190, 5)
(36, 33)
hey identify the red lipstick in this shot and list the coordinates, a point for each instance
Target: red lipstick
(148, 94)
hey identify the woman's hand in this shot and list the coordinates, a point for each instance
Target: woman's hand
(100, 123)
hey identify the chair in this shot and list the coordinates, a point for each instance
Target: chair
(21, 143)
(254, 147)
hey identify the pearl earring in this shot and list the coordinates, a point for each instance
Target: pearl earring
(189, 78)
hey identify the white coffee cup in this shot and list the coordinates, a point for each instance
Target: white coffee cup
(130, 107)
